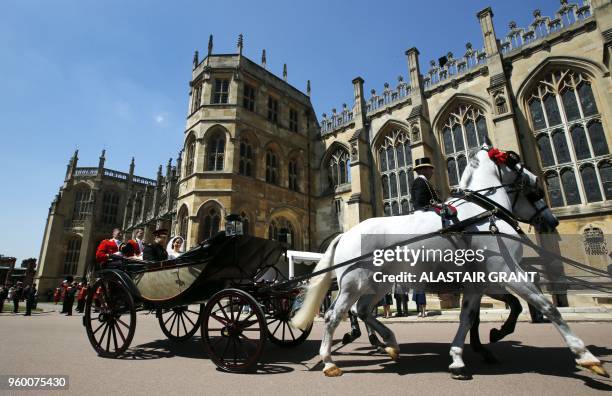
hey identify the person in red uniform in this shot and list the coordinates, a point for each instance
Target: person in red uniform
(108, 246)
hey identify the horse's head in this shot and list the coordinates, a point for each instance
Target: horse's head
(505, 169)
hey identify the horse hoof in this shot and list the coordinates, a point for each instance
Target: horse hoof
(495, 335)
(333, 371)
(460, 374)
(347, 339)
(596, 368)
(393, 353)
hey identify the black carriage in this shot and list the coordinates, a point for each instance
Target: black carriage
(228, 287)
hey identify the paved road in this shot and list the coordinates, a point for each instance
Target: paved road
(534, 361)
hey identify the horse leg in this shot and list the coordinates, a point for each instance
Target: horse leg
(475, 343)
(533, 295)
(469, 311)
(508, 327)
(355, 330)
(333, 317)
(364, 310)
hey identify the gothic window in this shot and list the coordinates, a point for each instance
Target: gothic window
(220, 95)
(589, 180)
(293, 175)
(395, 160)
(210, 223)
(546, 154)
(190, 158)
(110, 207)
(272, 110)
(554, 189)
(464, 131)
(245, 165)
(570, 138)
(271, 167)
(138, 207)
(293, 120)
(339, 168)
(598, 139)
(280, 225)
(216, 151)
(182, 222)
(248, 98)
(568, 180)
(81, 204)
(196, 98)
(71, 261)
(605, 174)
(594, 242)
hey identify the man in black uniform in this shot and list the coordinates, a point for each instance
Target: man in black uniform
(156, 251)
(30, 297)
(423, 193)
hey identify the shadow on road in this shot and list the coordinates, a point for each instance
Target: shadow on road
(416, 358)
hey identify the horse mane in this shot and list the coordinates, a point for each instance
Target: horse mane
(466, 177)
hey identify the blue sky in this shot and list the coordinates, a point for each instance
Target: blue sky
(114, 75)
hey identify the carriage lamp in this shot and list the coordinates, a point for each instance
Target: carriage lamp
(233, 225)
(284, 236)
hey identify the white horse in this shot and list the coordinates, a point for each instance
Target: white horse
(508, 184)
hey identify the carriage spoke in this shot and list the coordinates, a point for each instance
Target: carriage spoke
(108, 339)
(234, 347)
(219, 319)
(99, 343)
(276, 329)
(193, 312)
(222, 309)
(120, 332)
(284, 324)
(239, 312)
(242, 348)
(96, 330)
(170, 317)
(272, 321)
(183, 321)
(114, 337)
(172, 324)
(226, 348)
(291, 331)
(189, 319)
(123, 323)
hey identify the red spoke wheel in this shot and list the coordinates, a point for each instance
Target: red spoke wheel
(180, 323)
(110, 317)
(278, 319)
(234, 331)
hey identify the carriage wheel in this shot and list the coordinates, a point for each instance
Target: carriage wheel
(180, 323)
(110, 317)
(233, 330)
(280, 330)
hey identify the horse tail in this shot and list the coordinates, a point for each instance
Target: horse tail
(317, 288)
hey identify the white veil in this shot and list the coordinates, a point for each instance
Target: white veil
(171, 253)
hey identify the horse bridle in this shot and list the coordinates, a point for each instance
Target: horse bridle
(518, 185)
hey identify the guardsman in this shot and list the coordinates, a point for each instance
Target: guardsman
(423, 192)
(30, 298)
(156, 251)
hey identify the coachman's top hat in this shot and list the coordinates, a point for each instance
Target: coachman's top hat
(421, 163)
